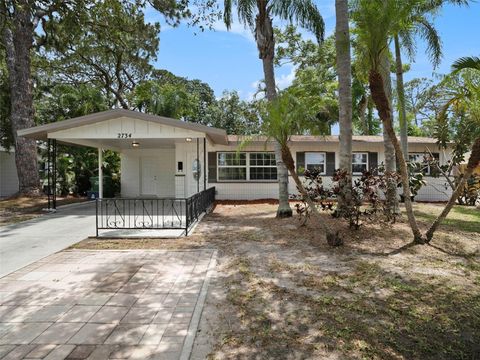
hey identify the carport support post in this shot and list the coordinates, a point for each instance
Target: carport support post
(100, 173)
(49, 173)
(198, 163)
(204, 163)
(54, 181)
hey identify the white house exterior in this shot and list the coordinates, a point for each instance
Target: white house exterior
(159, 156)
(8, 173)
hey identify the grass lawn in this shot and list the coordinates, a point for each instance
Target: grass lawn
(282, 293)
(17, 209)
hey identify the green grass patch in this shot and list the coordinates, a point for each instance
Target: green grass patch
(462, 218)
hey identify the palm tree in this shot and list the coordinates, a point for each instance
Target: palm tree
(465, 63)
(258, 15)
(389, 150)
(469, 62)
(376, 21)
(286, 116)
(344, 70)
(418, 23)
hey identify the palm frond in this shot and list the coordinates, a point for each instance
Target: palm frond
(246, 10)
(408, 43)
(376, 21)
(303, 12)
(227, 13)
(468, 62)
(434, 44)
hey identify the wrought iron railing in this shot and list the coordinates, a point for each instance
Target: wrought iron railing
(152, 213)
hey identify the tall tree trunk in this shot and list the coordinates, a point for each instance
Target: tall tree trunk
(473, 162)
(377, 88)
(370, 119)
(402, 113)
(266, 50)
(362, 111)
(344, 70)
(18, 38)
(389, 150)
(333, 238)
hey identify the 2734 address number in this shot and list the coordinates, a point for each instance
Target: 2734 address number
(124, 135)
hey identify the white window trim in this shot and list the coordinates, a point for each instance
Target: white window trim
(365, 163)
(246, 166)
(428, 171)
(324, 160)
(231, 166)
(260, 166)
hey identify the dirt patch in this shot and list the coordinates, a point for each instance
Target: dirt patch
(17, 209)
(282, 293)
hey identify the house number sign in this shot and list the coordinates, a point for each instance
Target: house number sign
(124, 135)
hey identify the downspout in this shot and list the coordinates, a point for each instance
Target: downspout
(198, 163)
(100, 173)
(204, 163)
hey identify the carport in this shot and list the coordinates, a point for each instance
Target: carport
(163, 161)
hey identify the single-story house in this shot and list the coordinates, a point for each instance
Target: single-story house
(168, 158)
(8, 173)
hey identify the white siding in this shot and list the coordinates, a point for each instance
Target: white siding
(187, 152)
(8, 174)
(133, 128)
(435, 190)
(183, 184)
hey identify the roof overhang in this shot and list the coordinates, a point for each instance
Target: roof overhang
(44, 132)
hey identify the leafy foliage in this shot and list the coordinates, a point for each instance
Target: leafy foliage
(234, 115)
(6, 136)
(367, 196)
(111, 46)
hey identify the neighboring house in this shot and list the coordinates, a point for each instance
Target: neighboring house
(8, 173)
(162, 157)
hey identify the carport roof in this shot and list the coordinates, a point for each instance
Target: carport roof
(217, 136)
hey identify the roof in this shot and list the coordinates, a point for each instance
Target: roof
(331, 139)
(218, 136)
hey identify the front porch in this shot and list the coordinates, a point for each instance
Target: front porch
(162, 174)
(153, 217)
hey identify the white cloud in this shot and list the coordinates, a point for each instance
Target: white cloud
(235, 28)
(285, 80)
(254, 93)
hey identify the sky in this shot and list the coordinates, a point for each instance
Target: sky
(228, 60)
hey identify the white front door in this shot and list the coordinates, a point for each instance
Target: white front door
(150, 174)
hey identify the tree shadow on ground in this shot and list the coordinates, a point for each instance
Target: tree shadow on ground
(371, 313)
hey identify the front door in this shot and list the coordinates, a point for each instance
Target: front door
(150, 174)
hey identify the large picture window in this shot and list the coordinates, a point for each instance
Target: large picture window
(254, 166)
(315, 160)
(359, 163)
(262, 166)
(421, 162)
(232, 166)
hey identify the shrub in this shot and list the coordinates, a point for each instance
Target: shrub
(366, 203)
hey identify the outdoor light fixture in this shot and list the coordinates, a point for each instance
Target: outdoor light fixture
(135, 144)
(188, 139)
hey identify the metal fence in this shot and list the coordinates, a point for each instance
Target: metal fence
(152, 213)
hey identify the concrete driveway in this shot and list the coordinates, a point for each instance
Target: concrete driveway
(28, 241)
(107, 304)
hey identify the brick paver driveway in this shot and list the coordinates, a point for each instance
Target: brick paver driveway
(135, 304)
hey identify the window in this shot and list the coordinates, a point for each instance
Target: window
(315, 160)
(262, 166)
(255, 166)
(232, 166)
(421, 162)
(359, 163)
